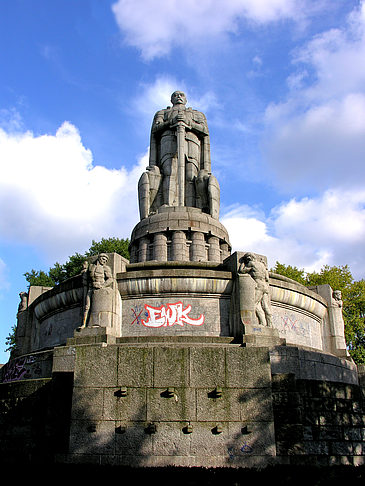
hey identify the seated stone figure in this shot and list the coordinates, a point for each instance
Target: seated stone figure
(179, 171)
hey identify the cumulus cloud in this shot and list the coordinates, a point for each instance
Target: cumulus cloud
(53, 196)
(172, 24)
(317, 136)
(307, 232)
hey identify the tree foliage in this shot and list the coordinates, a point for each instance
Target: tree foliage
(353, 297)
(73, 266)
(10, 341)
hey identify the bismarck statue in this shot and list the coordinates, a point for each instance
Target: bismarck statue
(178, 195)
(179, 171)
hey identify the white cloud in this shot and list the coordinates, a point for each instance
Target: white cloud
(316, 138)
(54, 197)
(307, 233)
(324, 147)
(156, 28)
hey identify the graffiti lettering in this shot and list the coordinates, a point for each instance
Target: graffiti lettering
(170, 315)
(18, 369)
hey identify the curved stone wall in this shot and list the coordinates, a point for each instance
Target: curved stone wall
(179, 298)
(298, 313)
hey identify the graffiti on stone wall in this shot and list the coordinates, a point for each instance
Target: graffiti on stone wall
(138, 312)
(289, 324)
(170, 315)
(245, 449)
(293, 325)
(21, 368)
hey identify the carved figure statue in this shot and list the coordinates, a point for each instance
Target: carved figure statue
(96, 277)
(179, 171)
(258, 270)
(337, 298)
(23, 301)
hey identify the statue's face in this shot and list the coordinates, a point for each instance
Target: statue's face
(103, 259)
(178, 98)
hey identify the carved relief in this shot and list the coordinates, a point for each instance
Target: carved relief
(257, 269)
(337, 298)
(98, 290)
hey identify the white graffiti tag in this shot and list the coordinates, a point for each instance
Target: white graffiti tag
(170, 315)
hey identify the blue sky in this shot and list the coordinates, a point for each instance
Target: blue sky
(282, 83)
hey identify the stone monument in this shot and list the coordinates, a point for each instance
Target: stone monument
(188, 354)
(178, 195)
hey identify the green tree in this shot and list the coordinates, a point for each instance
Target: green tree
(109, 245)
(339, 278)
(294, 273)
(10, 341)
(73, 266)
(354, 316)
(39, 277)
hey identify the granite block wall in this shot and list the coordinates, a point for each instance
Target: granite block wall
(172, 405)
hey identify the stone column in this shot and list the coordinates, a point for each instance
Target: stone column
(214, 252)
(143, 249)
(160, 247)
(134, 254)
(178, 246)
(198, 253)
(225, 251)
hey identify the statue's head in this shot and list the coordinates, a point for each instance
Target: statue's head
(337, 294)
(103, 258)
(178, 98)
(249, 257)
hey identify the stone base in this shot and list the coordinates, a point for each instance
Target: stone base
(92, 335)
(257, 336)
(179, 234)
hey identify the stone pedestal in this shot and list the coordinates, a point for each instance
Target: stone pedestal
(254, 335)
(179, 234)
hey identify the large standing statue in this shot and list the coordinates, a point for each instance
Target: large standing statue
(179, 171)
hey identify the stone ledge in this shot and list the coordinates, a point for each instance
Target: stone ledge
(92, 335)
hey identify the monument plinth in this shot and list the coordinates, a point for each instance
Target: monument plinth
(188, 354)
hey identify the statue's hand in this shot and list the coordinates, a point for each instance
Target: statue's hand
(180, 117)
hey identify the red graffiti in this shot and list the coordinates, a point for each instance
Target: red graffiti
(137, 316)
(170, 315)
(289, 323)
